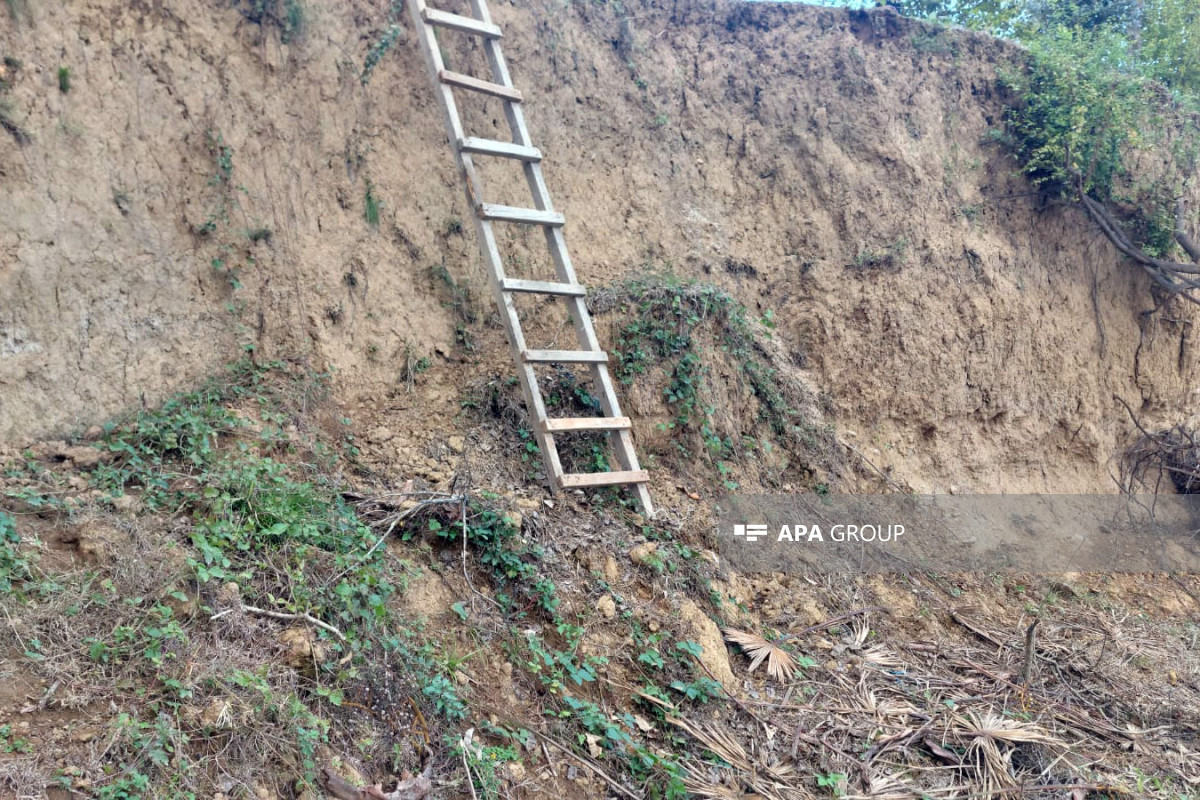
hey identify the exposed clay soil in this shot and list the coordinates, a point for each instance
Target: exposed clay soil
(947, 329)
(830, 169)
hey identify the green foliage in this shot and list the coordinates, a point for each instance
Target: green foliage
(151, 638)
(700, 690)
(64, 79)
(10, 743)
(386, 41)
(457, 297)
(1170, 43)
(288, 16)
(512, 562)
(1089, 103)
(371, 205)
(834, 781)
(482, 763)
(664, 328)
(566, 395)
(14, 566)
(187, 455)
(1079, 114)
(440, 691)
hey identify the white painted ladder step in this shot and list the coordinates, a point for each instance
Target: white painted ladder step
(474, 84)
(542, 287)
(567, 424)
(565, 356)
(530, 216)
(458, 22)
(490, 147)
(583, 480)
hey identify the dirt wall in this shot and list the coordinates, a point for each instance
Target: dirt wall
(203, 189)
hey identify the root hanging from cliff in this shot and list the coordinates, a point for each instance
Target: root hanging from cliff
(1173, 453)
(1177, 278)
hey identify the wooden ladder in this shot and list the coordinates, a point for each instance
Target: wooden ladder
(567, 287)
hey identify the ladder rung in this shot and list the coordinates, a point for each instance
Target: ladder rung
(490, 147)
(565, 356)
(458, 22)
(566, 424)
(476, 85)
(531, 216)
(542, 287)
(584, 479)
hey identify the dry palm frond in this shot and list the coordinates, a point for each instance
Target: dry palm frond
(857, 638)
(771, 781)
(714, 791)
(1000, 729)
(720, 743)
(780, 665)
(886, 787)
(985, 734)
(881, 656)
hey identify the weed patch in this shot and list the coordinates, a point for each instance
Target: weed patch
(287, 16)
(669, 325)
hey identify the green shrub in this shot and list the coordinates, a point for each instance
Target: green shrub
(14, 567)
(1105, 82)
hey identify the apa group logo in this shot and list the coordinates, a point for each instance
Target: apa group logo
(751, 533)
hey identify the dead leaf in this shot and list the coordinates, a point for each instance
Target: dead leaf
(780, 665)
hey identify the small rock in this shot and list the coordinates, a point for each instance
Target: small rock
(607, 606)
(229, 595)
(456, 443)
(84, 457)
(643, 553)
(216, 714)
(126, 503)
(593, 745)
(380, 435)
(516, 772)
(302, 649)
(612, 571)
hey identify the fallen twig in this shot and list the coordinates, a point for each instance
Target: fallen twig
(591, 765)
(1030, 633)
(829, 623)
(263, 612)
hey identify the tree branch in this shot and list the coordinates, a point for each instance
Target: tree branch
(1181, 234)
(1174, 277)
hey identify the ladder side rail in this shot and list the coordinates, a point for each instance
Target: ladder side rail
(494, 265)
(620, 440)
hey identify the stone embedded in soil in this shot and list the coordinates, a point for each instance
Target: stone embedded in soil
(643, 553)
(703, 631)
(607, 607)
